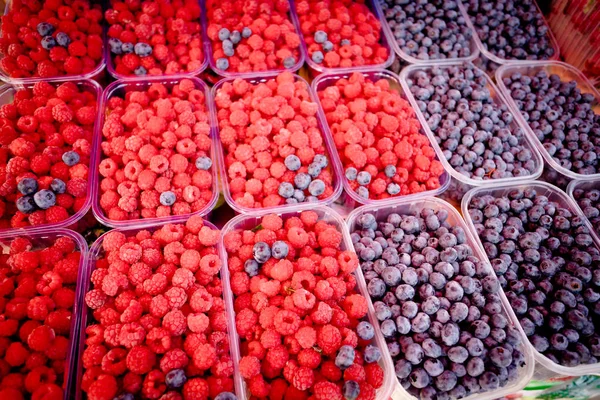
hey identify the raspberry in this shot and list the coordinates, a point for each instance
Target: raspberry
(104, 387)
(175, 322)
(287, 322)
(195, 389)
(303, 378)
(41, 338)
(367, 392)
(205, 356)
(356, 306)
(173, 359)
(329, 339)
(306, 336)
(327, 391)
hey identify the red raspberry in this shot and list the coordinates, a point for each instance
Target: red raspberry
(41, 338)
(303, 378)
(173, 359)
(327, 391)
(175, 322)
(249, 366)
(195, 389)
(104, 387)
(140, 360)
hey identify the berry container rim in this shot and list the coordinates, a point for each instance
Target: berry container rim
(498, 99)
(412, 60)
(48, 234)
(225, 74)
(564, 200)
(329, 147)
(406, 205)
(498, 60)
(168, 81)
(93, 252)
(320, 68)
(110, 65)
(30, 80)
(557, 67)
(326, 79)
(329, 215)
(577, 184)
(90, 85)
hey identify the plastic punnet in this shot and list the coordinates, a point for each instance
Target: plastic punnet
(95, 252)
(213, 63)
(43, 238)
(412, 60)
(95, 73)
(317, 69)
(329, 147)
(120, 88)
(554, 194)
(326, 80)
(7, 92)
(110, 64)
(566, 72)
(326, 214)
(583, 185)
(461, 183)
(498, 60)
(404, 206)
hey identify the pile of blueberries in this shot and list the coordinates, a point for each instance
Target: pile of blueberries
(589, 201)
(428, 29)
(511, 29)
(474, 129)
(117, 47)
(294, 193)
(549, 267)
(438, 305)
(230, 39)
(34, 199)
(561, 117)
(46, 30)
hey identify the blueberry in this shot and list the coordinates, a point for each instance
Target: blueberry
(350, 390)
(62, 39)
(317, 57)
(302, 180)
(388, 328)
(345, 42)
(167, 198)
(327, 46)
(434, 367)
(45, 29)
(289, 62)
(316, 187)
(419, 378)
(279, 250)
(142, 49)
(58, 186)
(203, 163)
(251, 267)
(26, 204)
(261, 252)
(175, 378)
(345, 357)
(235, 37)
(224, 34)
(48, 42)
(365, 330)
(44, 199)
(285, 190)
(390, 170)
(27, 186)
(446, 381)
(225, 396)
(489, 381)
(363, 192)
(115, 46)
(246, 32)
(320, 37)
(127, 48)
(382, 311)
(420, 323)
(70, 158)
(222, 64)
(371, 354)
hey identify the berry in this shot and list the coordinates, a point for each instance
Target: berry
(175, 379)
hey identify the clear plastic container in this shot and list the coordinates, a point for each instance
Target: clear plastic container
(325, 214)
(119, 88)
(554, 194)
(330, 148)
(44, 238)
(110, 64)
(498, 60)
(410, 207)
(352, 198)
(6, 97)
(584, 185)
(95, 73)
(413, 60)
(316, 69)
(95, 252)
(461, 183)
(213, 63)
(566, 73)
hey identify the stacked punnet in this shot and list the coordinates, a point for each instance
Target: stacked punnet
(154, 37)
(51, 38)
(378, 138)
(156, 151)
(39, 278)
(272, 141)
(156, 326)
(46, 145)
(301, 322)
